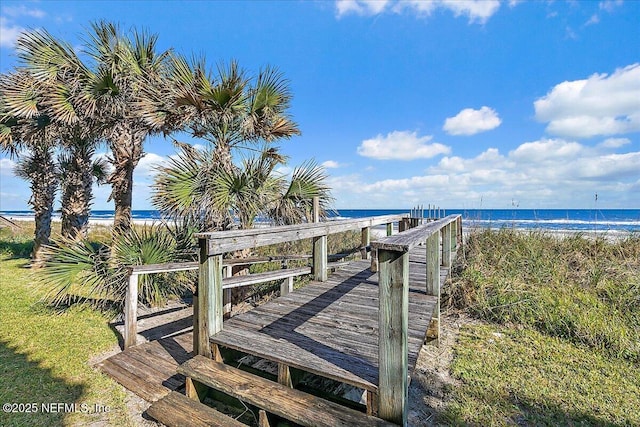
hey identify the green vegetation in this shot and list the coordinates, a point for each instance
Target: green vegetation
(44, 356)
(561, 341)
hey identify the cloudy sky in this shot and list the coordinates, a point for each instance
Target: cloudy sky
(463, 104)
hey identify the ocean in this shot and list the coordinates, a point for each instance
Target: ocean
(573, 220)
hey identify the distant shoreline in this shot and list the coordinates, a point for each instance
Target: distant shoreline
(378, 232)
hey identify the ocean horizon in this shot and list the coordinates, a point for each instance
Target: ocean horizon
(574, 220)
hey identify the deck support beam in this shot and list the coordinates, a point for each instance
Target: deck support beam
(393, 320)
(209, 317)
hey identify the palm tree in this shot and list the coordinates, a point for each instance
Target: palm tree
(193, 185)
(57, 96)
(102, 96)
(31, 131)
(77, 173)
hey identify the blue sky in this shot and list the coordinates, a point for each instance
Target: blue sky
(463, 104)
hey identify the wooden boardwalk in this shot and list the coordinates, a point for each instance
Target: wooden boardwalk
(357, 326)
(325, 328)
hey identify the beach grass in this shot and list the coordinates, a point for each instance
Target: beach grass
(44, 355)
(559, 338)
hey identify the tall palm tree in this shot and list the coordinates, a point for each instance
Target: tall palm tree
(59, 92)
(78, 171)
(103, 95)
(24, 127)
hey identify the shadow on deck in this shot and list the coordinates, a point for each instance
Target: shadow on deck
(329, 329)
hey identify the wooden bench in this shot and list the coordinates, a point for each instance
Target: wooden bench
(294, 405)
(177, 410)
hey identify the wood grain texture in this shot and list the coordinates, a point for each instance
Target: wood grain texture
(229, 241)
(393, 387)
(131, 312)
(177, 410)
(409, 239)
(294, 405)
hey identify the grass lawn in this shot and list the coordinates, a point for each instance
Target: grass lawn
(44, 356)
(559, 339)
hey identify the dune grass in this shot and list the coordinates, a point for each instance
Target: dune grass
(44, 356)
(560, 342)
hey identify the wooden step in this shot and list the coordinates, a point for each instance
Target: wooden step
(294, 405)
(177, 410)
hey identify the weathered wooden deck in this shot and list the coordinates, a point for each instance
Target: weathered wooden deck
(326, 328)
(330, 328)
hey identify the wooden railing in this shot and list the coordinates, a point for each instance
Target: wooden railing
(130, 317)
(393, 280)
(208, 300)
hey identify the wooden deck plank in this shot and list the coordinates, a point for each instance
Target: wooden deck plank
(178, 410)
(149, 391)
(328, 328)
(297, 406)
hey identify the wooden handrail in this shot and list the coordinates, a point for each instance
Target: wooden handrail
(393, 318)
(220, 242)
(415, 236)
(208, 299)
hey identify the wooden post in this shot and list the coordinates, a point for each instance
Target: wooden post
(393, 319)
(389, 229)
(366, 241)
(319, 248)
(131, 312)
(210, 296)
(226, 293)
(433, 282)
(284, 375)
(446, 245)
(286, 286)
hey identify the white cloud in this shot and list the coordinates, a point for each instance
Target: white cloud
(610, 5)
(330, 164)
(615, 142)
(401, 145)
(476, 10)
(470, 121)
(600, 105)
(551, 173)
(593, 20)
(360, 7)
(6, 167)
(22, 10)
(146, 166)
(9, 32)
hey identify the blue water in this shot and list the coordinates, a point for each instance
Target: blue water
(614, 220)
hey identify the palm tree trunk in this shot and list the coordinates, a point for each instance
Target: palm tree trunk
(77, 192)
(127, 150)
(43, 191)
